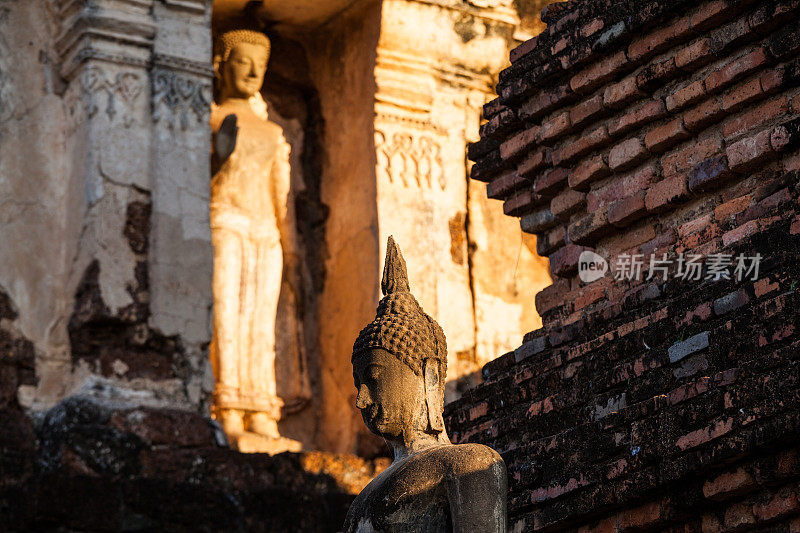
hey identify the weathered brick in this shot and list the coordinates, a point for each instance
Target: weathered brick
(695, 225)
(663, 137)
(711, 14)
(786, 41)
(773, 80)
(523, 48)
(502, 186)
(516, 146)
(623, 212)
(665, 193)
(656, 74)
(732, 207)
(736, 69)
(730, 302)
(587, 172)
(621, 187)
(597, 74)
(551, 297)
(555, 128)
(684, 159)
(702, 436)
(567, 202)
(742, 232)
(768, 16)
(501, 124)
(782, 504)
(564, 262)
(660, 242)
(709, 173)
(703, 115)
(785, 136)
(728, 36)
(739, 516)
(550, 240)
(520, 203)
(538, 221)
(693, 344)
(588, 228)
(627, 154)
(581, 146)
(545, 101)
(695, 55)
(764, 286)
(592, 27)
(688, 95)
(492, 108)
(550, 182)
(622, 93)
(535, 161)
(477, 150)
(530, 348)
(742, 94)
(660, 39)
(762, 114)
(587, 110)
(641, 518)
(644, 114)
(750, 152)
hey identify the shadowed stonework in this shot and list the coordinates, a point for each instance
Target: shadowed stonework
(656, 141)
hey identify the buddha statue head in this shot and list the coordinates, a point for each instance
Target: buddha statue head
(400, 363)
(240, 62)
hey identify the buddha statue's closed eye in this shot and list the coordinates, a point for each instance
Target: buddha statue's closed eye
(399, 368)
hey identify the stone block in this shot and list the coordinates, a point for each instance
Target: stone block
(730, 302)
(709, 173)
(693, 344)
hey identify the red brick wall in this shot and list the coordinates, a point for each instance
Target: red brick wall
(651, 127)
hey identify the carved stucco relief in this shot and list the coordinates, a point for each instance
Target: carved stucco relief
(409, 158)
(186, 99)
(121, 91)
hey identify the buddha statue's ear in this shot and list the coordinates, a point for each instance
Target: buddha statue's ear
(217, 62)
(434, 394)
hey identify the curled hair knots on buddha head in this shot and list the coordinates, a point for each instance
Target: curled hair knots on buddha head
(228, 40)
(400, 326)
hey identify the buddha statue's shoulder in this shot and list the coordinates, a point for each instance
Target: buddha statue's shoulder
(467, 458)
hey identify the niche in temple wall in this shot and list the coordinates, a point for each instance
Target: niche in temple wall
(262, 285)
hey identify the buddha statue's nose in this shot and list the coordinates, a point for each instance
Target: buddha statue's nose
(363, 399)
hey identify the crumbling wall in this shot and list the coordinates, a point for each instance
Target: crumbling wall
(97, 467)
(650, 400)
